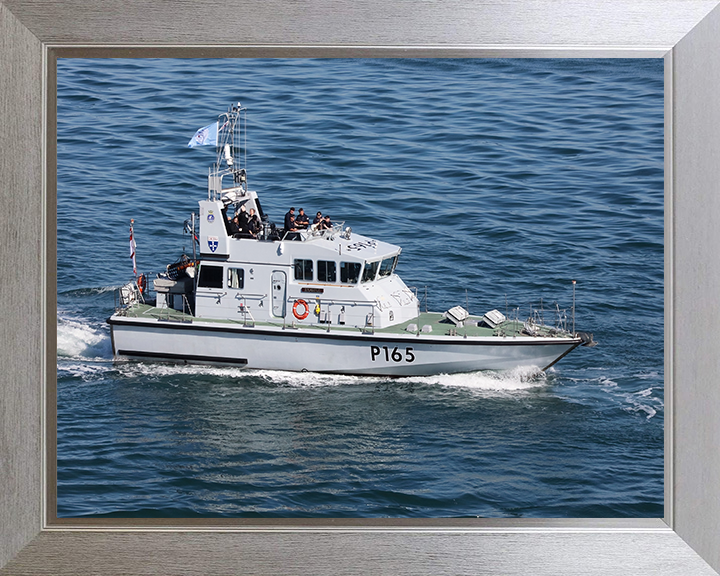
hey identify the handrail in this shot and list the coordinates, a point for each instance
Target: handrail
(243, 295)
(419, 301)
(369, 318)
(343, 302)
(309, 233)
(316, 233)
(244, 307)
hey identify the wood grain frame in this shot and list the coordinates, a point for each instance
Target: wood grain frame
(34, 33)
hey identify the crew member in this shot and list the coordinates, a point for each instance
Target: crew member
(325, 223)
(233, 225)
(302, 220)
(243, 219)
(253, 222)
(290, 220)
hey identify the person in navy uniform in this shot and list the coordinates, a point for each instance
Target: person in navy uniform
(290, 220)
(233, 225)
(243, 219)
(302, 221)
(325, 223)
(253, 222)
(318, 218)
(291, 228)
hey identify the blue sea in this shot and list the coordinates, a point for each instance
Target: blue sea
(503, 180)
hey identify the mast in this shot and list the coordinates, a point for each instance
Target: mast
(228, 161)
(194, 236)
(573, 307)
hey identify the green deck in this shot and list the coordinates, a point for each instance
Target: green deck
(439, 325)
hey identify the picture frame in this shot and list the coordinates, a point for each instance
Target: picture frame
(686, 33)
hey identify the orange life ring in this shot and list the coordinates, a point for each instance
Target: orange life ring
(304, 314)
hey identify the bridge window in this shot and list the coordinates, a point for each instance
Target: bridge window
(326, 271)
(303, 269)
(370, 271)
(349, 272)
(387, 266)
(210, 276)
(236, 278)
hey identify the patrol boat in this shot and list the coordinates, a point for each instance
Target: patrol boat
(316, 299)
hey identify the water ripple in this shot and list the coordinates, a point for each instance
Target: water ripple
(507, 178)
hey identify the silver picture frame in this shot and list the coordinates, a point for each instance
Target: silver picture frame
(685, 33)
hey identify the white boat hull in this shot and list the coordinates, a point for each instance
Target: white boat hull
(293, 349)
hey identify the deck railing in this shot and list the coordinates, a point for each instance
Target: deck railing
(333, 307)
(244, 309)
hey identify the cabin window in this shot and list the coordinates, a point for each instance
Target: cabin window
(210, 276)
(303, 269)
(236, 278)
(349, 272)
(370, 271)
(326, 271)
(387, 266)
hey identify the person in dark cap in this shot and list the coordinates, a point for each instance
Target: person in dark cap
(253, 222)
(302, 221)
(290, 220)
(243, 219)
(235, 228)
(325, 223)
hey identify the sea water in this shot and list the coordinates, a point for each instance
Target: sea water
(502, 180)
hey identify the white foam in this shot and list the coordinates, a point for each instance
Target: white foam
(519, 379)
(85, 370)
(77, 338)
(161, 369)
(607, 384)
(164, 369)
(639, 407)
(313, 379)
(506, 381)
(644, 401)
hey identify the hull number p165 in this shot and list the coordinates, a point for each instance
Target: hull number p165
(394, 355)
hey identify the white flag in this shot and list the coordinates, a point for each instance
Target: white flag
(206, 136)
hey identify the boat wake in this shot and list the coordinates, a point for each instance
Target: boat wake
(77, 338)
(519, 379)
(84, 351)
(643, 401)
(493, 382)
(640, 394)
(508, 381)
